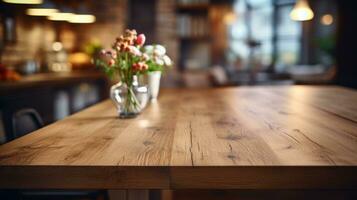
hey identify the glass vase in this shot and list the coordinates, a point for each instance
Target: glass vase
(131, 99)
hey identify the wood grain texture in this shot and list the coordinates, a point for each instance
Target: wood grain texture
(237, 138)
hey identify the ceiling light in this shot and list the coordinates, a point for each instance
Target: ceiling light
(230, 18)
(60, 16)
(301, 11)
(24, 1)
(326, 19)
(82, 18)
(41, 11)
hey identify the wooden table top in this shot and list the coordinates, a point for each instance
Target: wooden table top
(246, 137)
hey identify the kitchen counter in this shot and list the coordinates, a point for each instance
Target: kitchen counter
(48, 80)
(52, 95)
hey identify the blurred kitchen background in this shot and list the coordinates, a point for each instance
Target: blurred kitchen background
(46, 47)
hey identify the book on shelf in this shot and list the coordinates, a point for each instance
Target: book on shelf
(192, 26)
(192, 2)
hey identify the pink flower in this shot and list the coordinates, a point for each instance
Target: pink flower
(140, 40)
(111, 62)
(136, 67)
(124, 47)
(144, 67)
(135, 51)
(140, 66)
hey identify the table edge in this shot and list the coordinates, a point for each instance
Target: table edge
(179, 177)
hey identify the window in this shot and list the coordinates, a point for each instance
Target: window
(288, 42)
(255, 22)
(251, 34)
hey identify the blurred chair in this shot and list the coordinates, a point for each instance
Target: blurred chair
(26, 121)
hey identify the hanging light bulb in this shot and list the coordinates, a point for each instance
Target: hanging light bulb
(301, 11)
(326, 19)
(60, 16)
(24, 1)
(82, 16)
(82, 19)
(45, 9)
(230, 18)
(41, 11)
(64, 14)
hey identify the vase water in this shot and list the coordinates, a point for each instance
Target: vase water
(130, 100)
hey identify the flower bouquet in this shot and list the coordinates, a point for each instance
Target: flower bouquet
(128, 59)
(157, 62)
